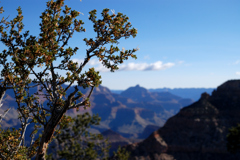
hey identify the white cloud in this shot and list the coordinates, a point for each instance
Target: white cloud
(180, 62)
(79, 61)
(101, 68)
(159, 65)
(92, 62)
(236, 62)
(145, 67)
(146, 57)
(237, 73)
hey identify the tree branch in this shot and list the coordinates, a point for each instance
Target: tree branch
(5, 113)
(81, 103)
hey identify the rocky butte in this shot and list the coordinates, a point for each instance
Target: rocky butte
(198, 131)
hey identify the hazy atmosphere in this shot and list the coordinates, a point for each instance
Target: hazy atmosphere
(183, 43)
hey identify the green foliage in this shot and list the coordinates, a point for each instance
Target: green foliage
(121, 154)
(76, 142)
(9, 139)
(58, 24)
(233, 139)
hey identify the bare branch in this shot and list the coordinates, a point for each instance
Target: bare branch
(5, 113)
(24, 128)
(2, 93)
(2, 156)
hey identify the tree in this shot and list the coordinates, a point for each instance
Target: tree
(233, 139)
(58, 24)
(13, 139)
(76, 142)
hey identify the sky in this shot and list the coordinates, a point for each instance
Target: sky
(182, 43)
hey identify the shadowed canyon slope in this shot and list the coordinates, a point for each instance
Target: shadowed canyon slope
(198, 131)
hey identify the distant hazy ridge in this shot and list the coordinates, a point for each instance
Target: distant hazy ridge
(192, 93)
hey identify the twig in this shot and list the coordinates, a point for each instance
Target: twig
(2, 116)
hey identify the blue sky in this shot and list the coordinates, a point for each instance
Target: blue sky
(183, 43)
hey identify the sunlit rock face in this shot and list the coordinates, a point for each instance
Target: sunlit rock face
(198, 131)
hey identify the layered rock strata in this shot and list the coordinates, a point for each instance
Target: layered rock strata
(198, 131)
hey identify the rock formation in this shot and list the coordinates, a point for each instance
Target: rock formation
(197, 132)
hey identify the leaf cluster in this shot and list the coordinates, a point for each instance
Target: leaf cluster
(9, 146)
(76, 142)
(110, 29)
(233, 139)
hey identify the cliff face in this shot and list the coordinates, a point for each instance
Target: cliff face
(197, 131)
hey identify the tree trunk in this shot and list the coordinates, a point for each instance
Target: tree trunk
(50, 128)
(48, 133)
(46, 137)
